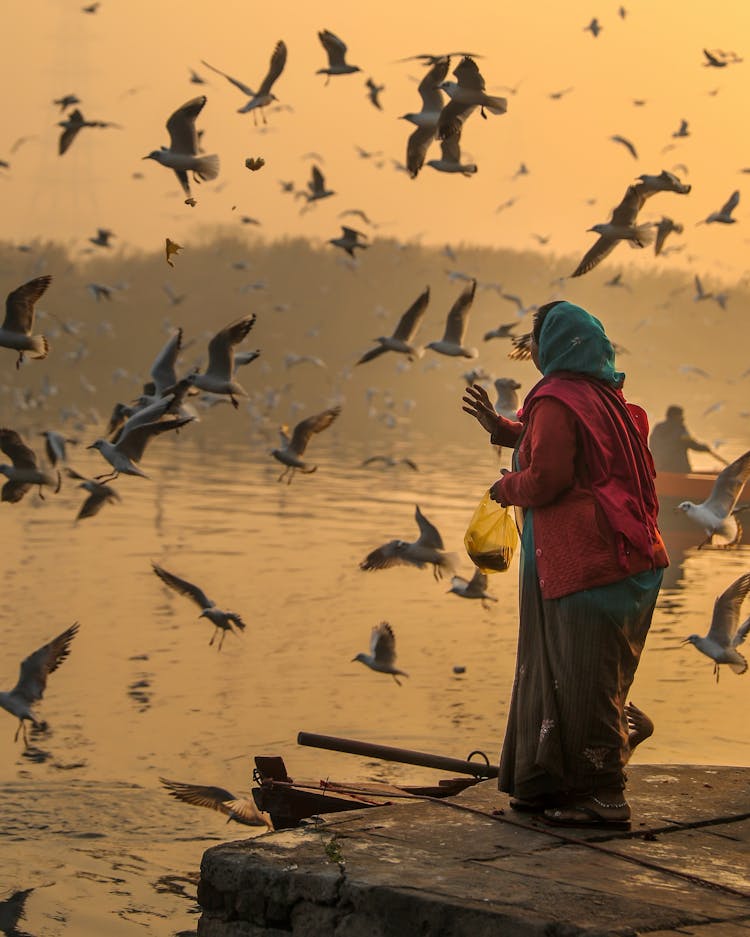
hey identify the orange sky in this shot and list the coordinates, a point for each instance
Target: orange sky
(129, 63)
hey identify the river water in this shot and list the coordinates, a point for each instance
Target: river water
(85, 823)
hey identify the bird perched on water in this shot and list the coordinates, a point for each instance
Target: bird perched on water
(382, 656)
(725, 633)
(183, 154)
(124, 454)
(455, 327)
(427, 549)
(32, 681)
(263, 96)
(336, 52)
(401, 340)
(621, 227)
(426, 120)
(349, 240)
(99, 494)
(474, 588)
(24, 473)
(18, 324)
(466, 93)
(717, 514)
(724, 215)
(219, 375)
(291, 450)
(664, 228)
(73, 124)
(221, 620)
(240, 809)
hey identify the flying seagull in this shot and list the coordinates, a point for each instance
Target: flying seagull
(426, 120)
(124, 455)
(621, 227)
(725, 633)
(466, 93)
(336, 52)
(102, 238)
(221, 620)
(616, 138)
(401, 339)
(99, 494)
(183, 154)
(455, 326)
(72, 125)
(316, 187)
(290, 452)
(32, 681)
(426, 549)
(382, 656)
(474, 588)
(24, 473)
(664, 228)
(54, 446)
(263, 96)
(724, 215)
(240, 809)
(717, 514)
(373, 93)
(450, 157)
(349, 240)
(219, 375)
(17, 326)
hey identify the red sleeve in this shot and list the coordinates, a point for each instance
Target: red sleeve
(551, 470)
(506, 433)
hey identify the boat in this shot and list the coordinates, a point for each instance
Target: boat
(684, 486)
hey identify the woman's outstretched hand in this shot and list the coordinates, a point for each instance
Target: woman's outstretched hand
(477, 404)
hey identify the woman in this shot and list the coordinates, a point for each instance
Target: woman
(591, 567)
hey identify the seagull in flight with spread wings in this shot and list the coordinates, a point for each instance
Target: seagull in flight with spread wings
(290, 452)
(72, 126)
(263, 96)
(382, 656)
(426, 120)
(240, 809)
(466, 93)
(455, 326)
(32, 681)
(336, 52)
(401, 340)
(718, 514)
(426, 549)
(724, 215)
(621, 227)
(24, 473)
(219, 375)
(18, 324)
(124, 454)
(726, 633)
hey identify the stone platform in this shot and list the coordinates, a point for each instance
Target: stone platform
(456, 869)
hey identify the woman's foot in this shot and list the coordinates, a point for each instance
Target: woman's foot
(640, 727)
(605, 809)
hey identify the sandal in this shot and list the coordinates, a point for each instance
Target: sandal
(531, 804)
(591, 812)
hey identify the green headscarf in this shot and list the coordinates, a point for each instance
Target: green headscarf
(572, 339)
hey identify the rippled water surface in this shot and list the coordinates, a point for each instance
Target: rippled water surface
(142, 695)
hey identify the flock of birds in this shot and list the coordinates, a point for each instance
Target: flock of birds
(164, 405)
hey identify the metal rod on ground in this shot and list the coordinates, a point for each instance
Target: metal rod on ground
(403, 755)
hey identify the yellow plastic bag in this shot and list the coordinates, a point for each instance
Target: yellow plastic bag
(491, 536)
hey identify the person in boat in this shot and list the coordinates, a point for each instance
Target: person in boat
(670, 442)
(592, 563)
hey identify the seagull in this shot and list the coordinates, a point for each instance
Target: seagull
(455, 327)
(426, 120)
(240, 809)
(99, 494)
(72, 125)
(682, 130)
(649, 185)
(100, 291)
(263, 96)
(664, 228)
(700, 293)
(450, 157)
(349, 240)
(401, 340)
(507, 402)
(502, 331)
(726, 634)
(291, 450)
(594, 27)
(520, 307)
(717, 514)
(24, 472)
(474, 588)
(389, 461)
(465, 94)
(382, 656)
(373, 93)
(621, 227)
(219, 375)
(719, 59)
(32, 681)
(316, 186)
(616, 138)
(617, 282)
(66, 101)
(427, 548)
(221, 620)
(163, 375)
(16, 329)
(130, 446)
(724, 215)
(336, 52)
(54, 446)
(183, 155)
(103, 237)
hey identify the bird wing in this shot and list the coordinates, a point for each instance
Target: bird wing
(594, 255)
(727, 611)
(383, 644)
(385, 556)
(468, 75)
(429, 86)
(478, 583)
(16, 449)
(318, 182)
(428, 533)
(163, 369)
(452, 117)
(627, 211)
(221, 347)
(12, 491)
(313, 424)
(133, 443)
(626, 143)
(455, 324)
(372, 354)
(184, 587)
(19, 305)
(521, 346)
(731, 203)
(352, 233)
(662, 230)
(199, 795)
(335, 48)
(450, 147)
(234, 81)
(183, 137)
(728, 486)
(416, 148)
(70, 131)
(411, 319)
(712, 60)
(275, 68)
(742, 633)
(32, 679)
(96, 500)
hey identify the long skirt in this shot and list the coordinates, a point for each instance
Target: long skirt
(577, 656)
